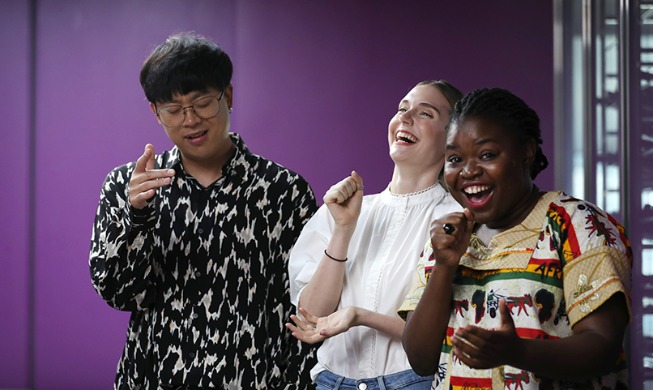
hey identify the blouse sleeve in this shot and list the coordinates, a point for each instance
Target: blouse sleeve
(308, 250)
(424, 267)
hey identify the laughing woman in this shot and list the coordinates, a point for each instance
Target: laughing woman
(524, 288)
(354, 261)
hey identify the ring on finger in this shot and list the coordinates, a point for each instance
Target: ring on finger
(448, 228)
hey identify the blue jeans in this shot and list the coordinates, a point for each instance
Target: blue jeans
(404, 380)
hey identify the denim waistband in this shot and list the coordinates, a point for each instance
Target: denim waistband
(401, 380)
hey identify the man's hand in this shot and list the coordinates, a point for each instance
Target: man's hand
(145, 179)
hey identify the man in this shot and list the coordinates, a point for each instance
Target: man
(195, 241)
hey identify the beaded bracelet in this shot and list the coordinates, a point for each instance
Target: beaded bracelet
(333, 258)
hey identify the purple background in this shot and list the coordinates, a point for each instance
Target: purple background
(315, 85)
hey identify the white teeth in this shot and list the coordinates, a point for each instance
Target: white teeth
(476, 189)
(402, 136)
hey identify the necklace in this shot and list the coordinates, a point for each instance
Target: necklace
(413, 193)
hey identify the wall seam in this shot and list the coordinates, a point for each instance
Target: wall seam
(31, 190)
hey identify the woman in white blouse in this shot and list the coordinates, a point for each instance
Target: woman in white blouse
(353, 264)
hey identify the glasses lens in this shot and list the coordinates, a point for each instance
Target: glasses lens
(171, 115)
(206, 108)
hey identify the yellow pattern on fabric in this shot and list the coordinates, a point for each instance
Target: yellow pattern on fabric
(592, 278)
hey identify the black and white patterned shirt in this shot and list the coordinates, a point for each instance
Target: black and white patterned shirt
(204, 273)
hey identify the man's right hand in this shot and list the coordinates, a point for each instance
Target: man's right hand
(145, 179)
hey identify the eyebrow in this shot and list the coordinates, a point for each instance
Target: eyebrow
(425, 104)
(479, 141)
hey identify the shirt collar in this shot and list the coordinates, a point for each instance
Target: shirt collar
(511, 248)
(238, 165)
(238, 162)
(436, 193)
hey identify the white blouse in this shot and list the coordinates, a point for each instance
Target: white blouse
(383, 254)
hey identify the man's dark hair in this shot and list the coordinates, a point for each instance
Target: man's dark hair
(184, 63)
(508, 111)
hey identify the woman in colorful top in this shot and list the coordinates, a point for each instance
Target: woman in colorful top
(352, 305)
(526, 289)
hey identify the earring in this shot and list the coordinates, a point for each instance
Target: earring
(231, 109)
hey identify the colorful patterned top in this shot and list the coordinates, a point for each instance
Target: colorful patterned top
(203, 272)
(560, 264)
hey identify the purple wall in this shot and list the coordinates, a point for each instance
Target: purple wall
(315, 86)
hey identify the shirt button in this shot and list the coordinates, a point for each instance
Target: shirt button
(198, 274)
(362, 386)
(195, 315)
(192, 356)
(200, 230)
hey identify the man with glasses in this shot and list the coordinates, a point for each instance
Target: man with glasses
(194, 241)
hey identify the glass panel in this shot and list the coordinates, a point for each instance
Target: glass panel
(570, 149)
(640, 165)
(647, 325)
(605, 124)
(647, 261)
(607, 106)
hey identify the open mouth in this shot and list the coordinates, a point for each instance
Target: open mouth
(196, 135)
(477, 195)
(402, 136)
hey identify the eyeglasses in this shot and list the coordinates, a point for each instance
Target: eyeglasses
(205, 107)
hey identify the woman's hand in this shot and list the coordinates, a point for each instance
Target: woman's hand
(487, 348)
(312, 329)
(344, 200)
(450, 236)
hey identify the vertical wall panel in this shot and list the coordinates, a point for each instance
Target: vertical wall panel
(14, 195)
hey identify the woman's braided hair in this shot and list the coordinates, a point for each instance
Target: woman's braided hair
(507, 110)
